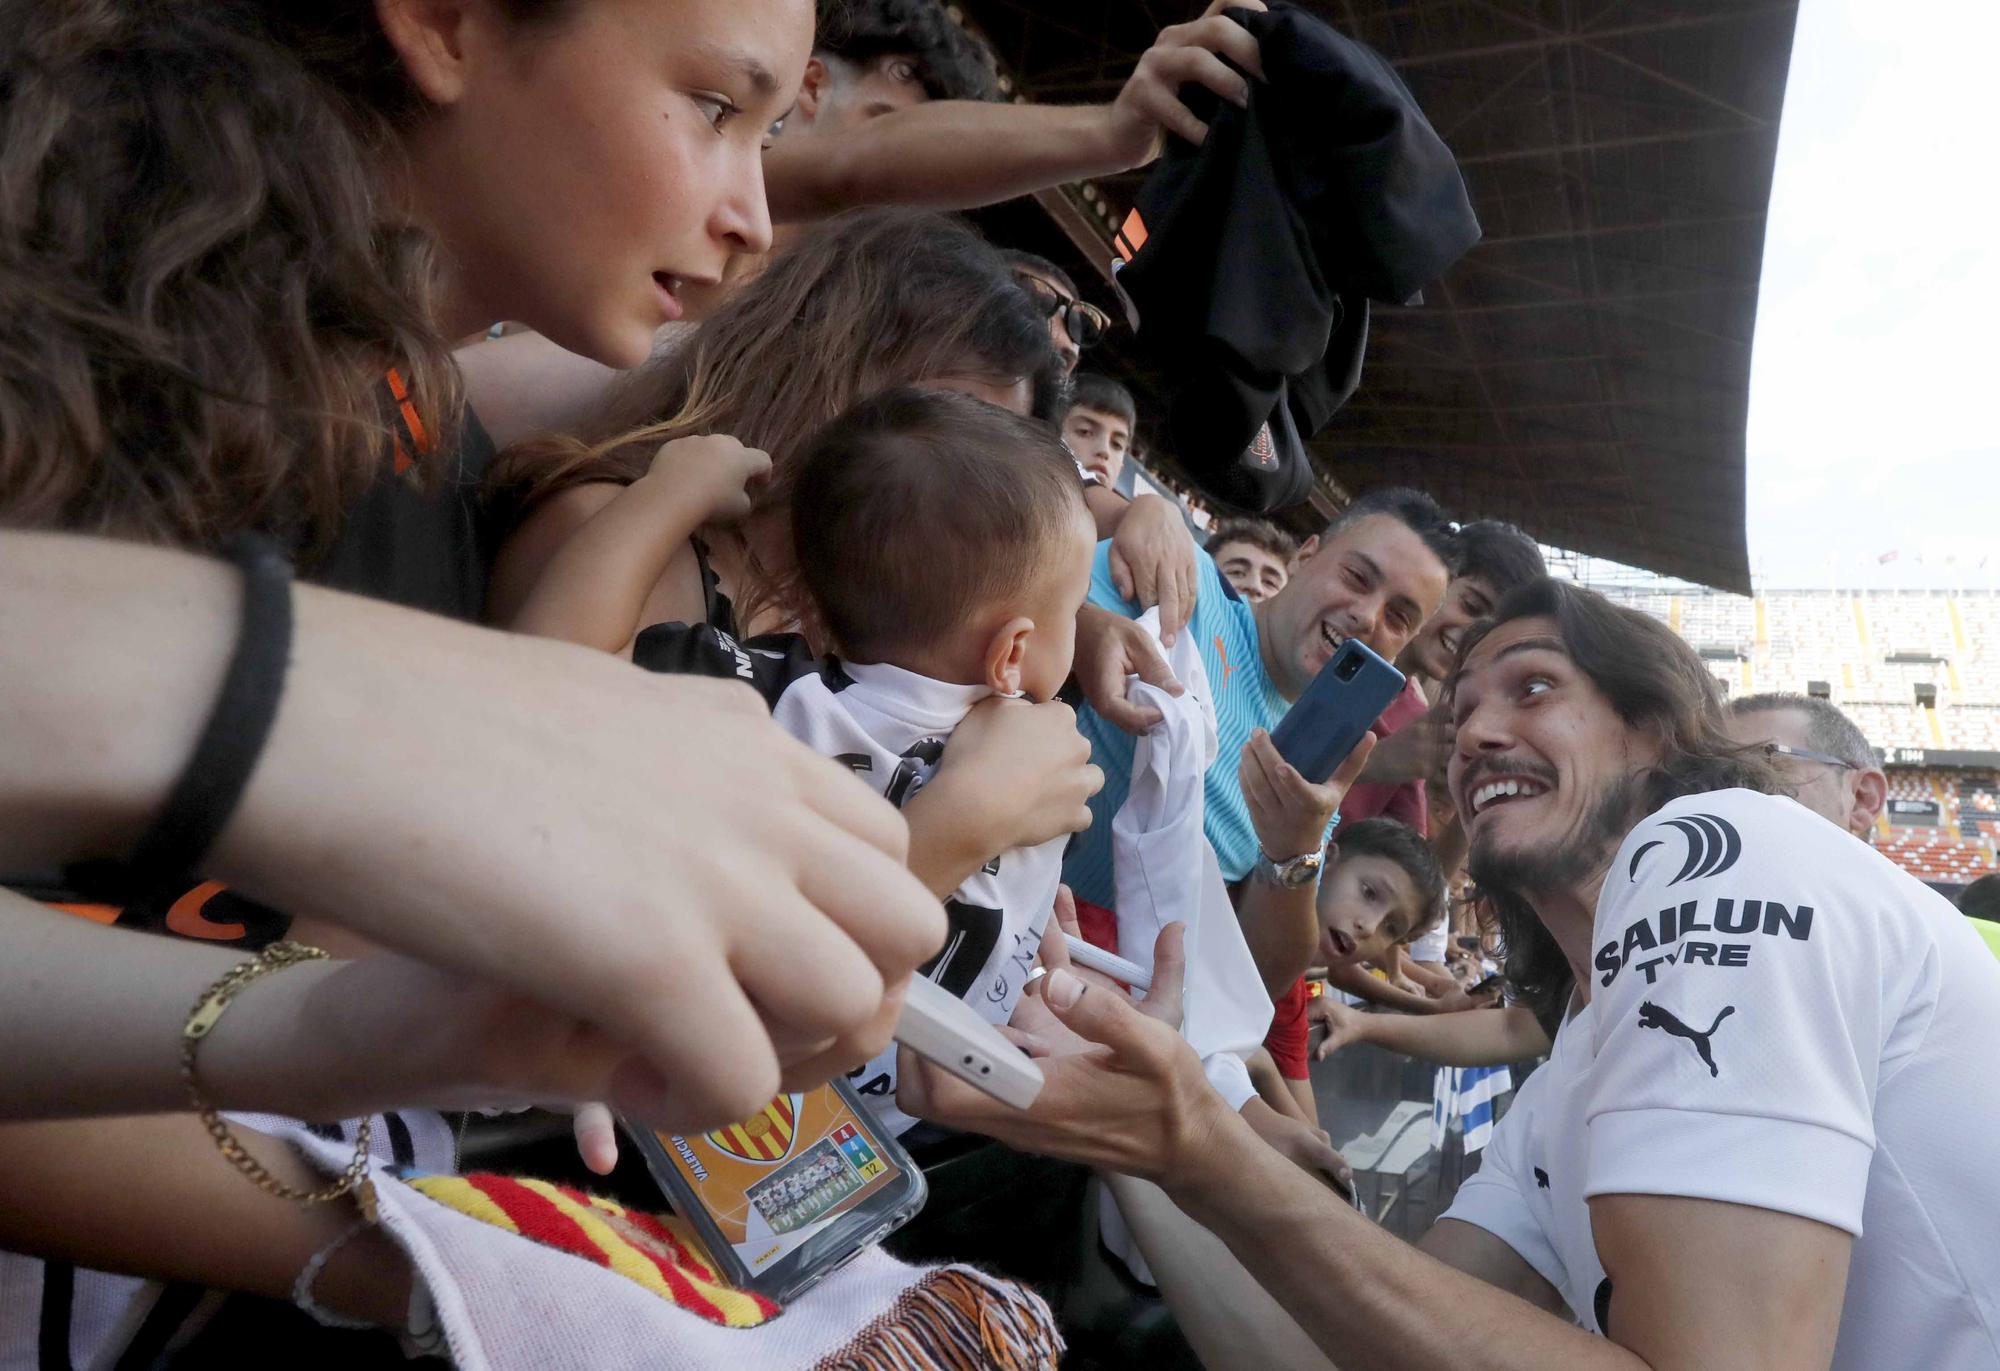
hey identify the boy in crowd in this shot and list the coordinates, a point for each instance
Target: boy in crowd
(1381, 888)
(874, 57)
(1152, 556)
(976, 596)
(1099, 426)
(1254, 555)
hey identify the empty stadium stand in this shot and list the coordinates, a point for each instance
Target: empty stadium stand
(1919, 672)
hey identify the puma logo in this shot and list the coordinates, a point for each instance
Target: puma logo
(1541, 1179)
(1652, 1016)
(1222, 651)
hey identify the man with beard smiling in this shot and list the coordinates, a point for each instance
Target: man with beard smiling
(1749, 1147)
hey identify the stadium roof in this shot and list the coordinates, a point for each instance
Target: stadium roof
(1584, 371)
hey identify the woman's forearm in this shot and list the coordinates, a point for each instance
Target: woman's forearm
(152, 1197)
(605, 840)
(115, 657)
(91, 1019)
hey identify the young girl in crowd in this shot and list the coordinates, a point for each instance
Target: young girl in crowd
(235, 239)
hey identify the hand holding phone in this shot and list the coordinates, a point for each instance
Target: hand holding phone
(1336, 710)
(1290, 814)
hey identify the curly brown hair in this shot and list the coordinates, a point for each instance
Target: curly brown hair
(203, 277)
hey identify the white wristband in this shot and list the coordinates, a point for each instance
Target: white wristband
(302, 1295)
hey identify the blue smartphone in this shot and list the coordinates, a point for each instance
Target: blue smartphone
(1341, 704)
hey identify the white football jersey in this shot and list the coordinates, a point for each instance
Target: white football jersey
(890, 727)
(1779, 1017)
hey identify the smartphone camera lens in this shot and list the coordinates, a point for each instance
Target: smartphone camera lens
(1349, 669)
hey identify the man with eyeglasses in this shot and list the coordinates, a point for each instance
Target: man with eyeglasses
(1826, 759)
(1074, 323)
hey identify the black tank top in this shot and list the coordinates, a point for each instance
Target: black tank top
(426, 546)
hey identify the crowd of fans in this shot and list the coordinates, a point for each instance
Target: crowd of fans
(572, 351)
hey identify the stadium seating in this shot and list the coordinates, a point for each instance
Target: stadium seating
(1873, 650)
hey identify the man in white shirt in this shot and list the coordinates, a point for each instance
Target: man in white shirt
(1778, 1045)
(1760, 1139)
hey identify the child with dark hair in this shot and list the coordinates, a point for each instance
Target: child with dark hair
(1382, 887)
(1099, 427)
(1253, 555)
(945, 550)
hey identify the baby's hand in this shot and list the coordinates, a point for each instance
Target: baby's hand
(720, 466)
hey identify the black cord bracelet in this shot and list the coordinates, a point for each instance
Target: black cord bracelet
(212, 783)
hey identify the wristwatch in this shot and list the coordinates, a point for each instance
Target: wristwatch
(1291, 873)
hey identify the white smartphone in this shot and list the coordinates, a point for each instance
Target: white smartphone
(944, 1030)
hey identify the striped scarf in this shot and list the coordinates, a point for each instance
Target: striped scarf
(644, 1294)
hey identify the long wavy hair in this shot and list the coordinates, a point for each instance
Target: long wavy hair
(203, 278)
(870, 300)
(1655, 683)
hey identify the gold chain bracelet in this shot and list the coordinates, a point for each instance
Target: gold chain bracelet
(207, 1010)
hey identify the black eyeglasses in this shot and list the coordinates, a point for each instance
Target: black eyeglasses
(1087, 324)
(1808, 755)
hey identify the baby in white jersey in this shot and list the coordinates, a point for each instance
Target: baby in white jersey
(944, 546)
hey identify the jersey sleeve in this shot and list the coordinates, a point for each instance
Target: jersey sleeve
(1495, 1197)
(1739, 1011)
(767, 665)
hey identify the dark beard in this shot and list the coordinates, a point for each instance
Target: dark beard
(1571, 860)
(1538, 974)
